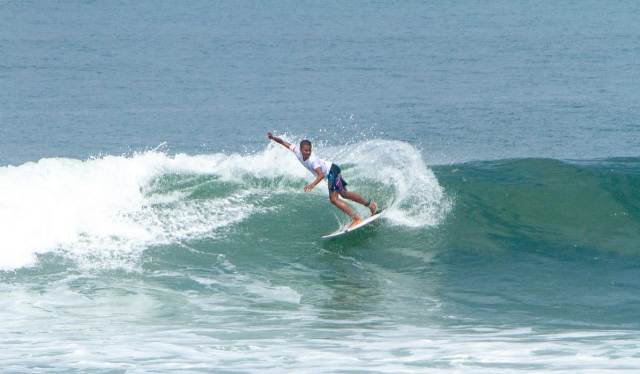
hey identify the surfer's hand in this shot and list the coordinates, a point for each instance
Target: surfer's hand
(269, 135)
(308, 187)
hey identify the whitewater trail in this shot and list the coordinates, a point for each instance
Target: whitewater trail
(115, 207)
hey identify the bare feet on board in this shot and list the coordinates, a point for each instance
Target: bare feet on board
(355, 221)
(373, 207)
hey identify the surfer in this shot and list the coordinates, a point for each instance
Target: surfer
(321, 169)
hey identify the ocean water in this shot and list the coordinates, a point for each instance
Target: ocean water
(148, 225)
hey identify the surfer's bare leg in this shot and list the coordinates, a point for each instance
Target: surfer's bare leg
(334, 197)
(360, 200)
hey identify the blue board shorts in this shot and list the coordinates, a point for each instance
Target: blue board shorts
(335, 181)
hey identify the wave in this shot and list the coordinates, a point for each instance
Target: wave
(106, 211)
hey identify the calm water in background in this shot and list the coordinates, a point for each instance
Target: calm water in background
(465, 81)
(148, 227)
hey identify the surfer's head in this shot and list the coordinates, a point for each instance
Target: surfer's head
(305, 149)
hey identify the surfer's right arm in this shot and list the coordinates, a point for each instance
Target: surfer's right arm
(279, 140)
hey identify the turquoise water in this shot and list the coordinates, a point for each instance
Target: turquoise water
(149, 226)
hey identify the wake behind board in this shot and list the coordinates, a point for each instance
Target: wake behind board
(345, 230)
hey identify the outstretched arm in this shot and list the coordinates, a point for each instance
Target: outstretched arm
(278, 140)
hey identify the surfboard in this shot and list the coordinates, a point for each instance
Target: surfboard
(346, 229)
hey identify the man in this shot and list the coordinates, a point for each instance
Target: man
(321, 169)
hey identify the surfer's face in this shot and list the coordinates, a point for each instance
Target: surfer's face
(306, 151)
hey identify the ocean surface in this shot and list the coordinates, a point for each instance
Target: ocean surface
(148, 225)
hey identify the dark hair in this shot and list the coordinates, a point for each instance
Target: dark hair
(305, 142)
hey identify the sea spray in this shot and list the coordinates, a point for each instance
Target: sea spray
(417, 200)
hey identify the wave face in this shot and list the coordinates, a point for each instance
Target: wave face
(105, 211)
(545, 205)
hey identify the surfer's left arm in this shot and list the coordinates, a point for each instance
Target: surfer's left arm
(279, 140)
(319, 177)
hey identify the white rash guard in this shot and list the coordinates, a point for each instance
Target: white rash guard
(313, 162)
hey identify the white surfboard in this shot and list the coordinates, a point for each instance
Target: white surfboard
(346, 229)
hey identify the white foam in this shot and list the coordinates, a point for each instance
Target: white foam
(73, 332)
(98, 207)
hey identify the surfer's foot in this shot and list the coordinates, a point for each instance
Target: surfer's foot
(373, 207)
(355, 221)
